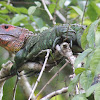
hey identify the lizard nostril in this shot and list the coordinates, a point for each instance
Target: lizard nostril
(6, 27)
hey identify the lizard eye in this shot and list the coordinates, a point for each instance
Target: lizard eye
(6, 27)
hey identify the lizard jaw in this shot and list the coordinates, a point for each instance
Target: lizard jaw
(8, 35)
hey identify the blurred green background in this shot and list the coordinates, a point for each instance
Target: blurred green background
(32, 15)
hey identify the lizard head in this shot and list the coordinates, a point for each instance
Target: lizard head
(13, 38)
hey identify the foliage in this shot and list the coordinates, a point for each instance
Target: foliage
(35, 18)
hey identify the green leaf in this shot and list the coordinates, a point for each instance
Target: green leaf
(91, 33)
(6, 17)
(58, 97)
(79, 70)
(97, 93)
(97, 38)
(78, 10)
(52, 8)
(61, 3)
(5, 11)
(86, 79)
(31, 10)
(17, 19)
(54, 1)
(2, 20)
(97, 71)
(30, 27)
(80, 97)
(22, 10)
(37, 3)
(95, 61)
(84, 41)
(91, 89)
(38, 21)
(81, 57)
(93, 11)
(73, 83)
(12, 9)
(87, 64)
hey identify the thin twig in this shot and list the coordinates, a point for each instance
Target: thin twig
(15, 87)
(52, 78)
(84, 11)
(43, 68)
(55, 10)
(1, 89)
(45, 7)
(49, 96)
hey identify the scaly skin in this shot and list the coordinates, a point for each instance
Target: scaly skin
(13, 38)
(27, 46)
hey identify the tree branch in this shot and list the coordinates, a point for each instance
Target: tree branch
(45, 7)
(58, 92)
(65, 50)
(5, 71)
(14, 89)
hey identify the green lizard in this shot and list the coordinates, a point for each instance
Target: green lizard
(27, 45)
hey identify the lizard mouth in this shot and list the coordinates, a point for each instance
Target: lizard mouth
(8, 35)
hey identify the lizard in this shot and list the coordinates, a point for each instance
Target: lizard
(27, 46)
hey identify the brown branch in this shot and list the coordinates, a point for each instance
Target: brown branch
(29, 66)
(45, 7)
(5, 71)
(58, 92)
(15, 87)
(65, 50)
